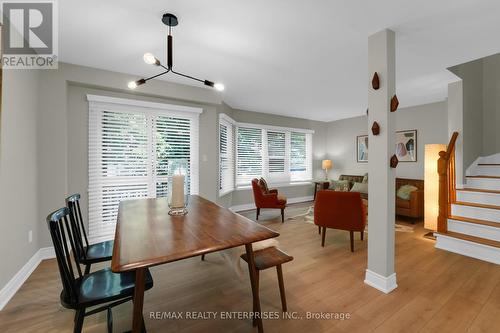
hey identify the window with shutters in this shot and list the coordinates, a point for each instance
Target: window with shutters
(280, 155)
(130, 145)
(226, 154)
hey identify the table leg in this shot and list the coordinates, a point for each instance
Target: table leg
(253, 281)
(138, 300)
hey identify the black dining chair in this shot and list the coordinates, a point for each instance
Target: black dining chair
(102, 288)
(87, 254)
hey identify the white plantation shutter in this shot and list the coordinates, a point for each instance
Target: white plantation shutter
(278, 154)
(130, 144)
(226, 154)
(300, 156)
(248, 155)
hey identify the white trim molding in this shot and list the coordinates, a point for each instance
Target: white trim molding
(10, 289)
(143, 104)
(250, 206)
(382, 283)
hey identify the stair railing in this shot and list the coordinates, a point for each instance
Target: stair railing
(447, 183)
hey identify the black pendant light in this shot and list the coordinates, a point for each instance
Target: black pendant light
(171, 21)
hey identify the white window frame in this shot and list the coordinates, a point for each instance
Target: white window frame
(227, 121)
(97, 105)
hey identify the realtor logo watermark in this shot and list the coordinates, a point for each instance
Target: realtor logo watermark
(29, 34)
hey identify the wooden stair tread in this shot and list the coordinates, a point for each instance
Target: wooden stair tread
(473, 204)
(484, 177)
(470, 238)
(470, 189)
(475, 221)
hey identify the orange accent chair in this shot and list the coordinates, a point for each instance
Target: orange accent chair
(340, 210)
(267, 198)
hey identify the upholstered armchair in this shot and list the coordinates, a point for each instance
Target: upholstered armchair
(340, 210)
(267, 198)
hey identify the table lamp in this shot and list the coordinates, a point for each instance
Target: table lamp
(326, 165)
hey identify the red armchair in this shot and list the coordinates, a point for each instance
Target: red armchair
(340, 210)
(267, 198)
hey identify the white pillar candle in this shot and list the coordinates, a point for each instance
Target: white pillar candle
(177, 200)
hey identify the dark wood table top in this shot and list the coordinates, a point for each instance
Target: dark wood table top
(147, 236)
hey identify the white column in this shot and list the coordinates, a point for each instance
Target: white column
(381, 197)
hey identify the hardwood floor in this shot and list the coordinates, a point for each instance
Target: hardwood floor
(437, 291)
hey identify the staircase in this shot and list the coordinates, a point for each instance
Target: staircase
(471, 225)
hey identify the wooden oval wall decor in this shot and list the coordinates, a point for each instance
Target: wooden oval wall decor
(375, 81)
(375, 128)
(394, 103)
(394, 161)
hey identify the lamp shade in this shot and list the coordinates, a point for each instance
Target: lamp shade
(326, 164)
(431, 188)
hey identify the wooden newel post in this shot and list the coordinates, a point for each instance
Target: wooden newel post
(442, 223)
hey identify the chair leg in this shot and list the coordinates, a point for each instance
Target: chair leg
(282, 287)
(258, 213)
(323, 237)
(282, 215)
(110, 320)
(257, 276)
(319, 230)
(87, 269)
(80, 314)
(202, 257)
(351, 234)
(362, 234)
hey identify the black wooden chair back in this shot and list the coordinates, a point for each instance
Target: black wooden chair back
(82, 242)
(62, 233)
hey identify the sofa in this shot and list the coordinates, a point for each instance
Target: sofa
(414, 207)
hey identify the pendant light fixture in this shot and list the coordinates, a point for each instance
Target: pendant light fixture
(171, 21)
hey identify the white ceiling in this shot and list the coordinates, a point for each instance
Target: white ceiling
(297, 58)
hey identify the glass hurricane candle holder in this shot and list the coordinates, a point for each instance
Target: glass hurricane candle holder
(177, 188)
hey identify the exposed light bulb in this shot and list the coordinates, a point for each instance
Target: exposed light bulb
(219, 86)
(150, 59)
(135, 84)
(132, 85)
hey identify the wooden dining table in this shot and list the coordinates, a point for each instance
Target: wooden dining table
(146, 235)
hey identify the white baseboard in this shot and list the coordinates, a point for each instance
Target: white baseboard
(382, 283)
(250, 206)
(10, 289)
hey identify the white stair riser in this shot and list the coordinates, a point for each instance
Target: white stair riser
(470, 249)
(474, 229)
(484, 183)
(490, 159)
(479, 197)
(476, 212)
(488, 170)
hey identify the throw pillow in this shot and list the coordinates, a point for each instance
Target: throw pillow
(339, 185)
(365, 178)
(360, 187)
(263, 185)
(405, 191)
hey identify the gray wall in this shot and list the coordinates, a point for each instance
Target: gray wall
(430, 121)
(491, 105)
(18, 171)
(481, 107)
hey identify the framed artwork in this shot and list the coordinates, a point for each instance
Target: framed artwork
(406, 145)
(362, 148)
